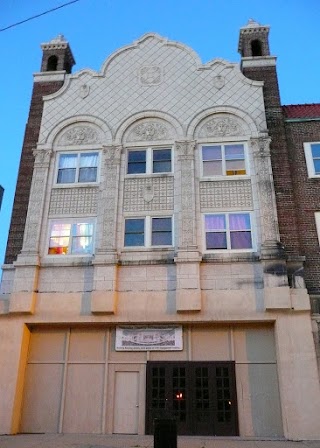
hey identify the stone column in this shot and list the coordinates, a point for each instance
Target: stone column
(27, 265)
(104, 293)
(188, 257)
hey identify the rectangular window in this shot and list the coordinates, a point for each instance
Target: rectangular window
(223, 160)
(149, 161)
(228, 231)
(77, 168)
(71, 238)
(312, 154)
(148, 232)
(317, 218)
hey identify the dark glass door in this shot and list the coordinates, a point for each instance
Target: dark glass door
(200, 396)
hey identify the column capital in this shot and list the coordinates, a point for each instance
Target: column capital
(261, 146)
(42, 157)
(112, 154)
(185, 148)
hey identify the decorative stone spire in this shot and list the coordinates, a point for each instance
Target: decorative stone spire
(57, 55)
(253, 40)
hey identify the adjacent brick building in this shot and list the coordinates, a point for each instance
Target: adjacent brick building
(155, 263)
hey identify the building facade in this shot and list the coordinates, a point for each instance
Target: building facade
(154, 267)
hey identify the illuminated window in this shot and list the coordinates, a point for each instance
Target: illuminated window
(223, 160)
(228, 231)
(71, 238)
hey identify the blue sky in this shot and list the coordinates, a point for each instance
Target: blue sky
(96, 28)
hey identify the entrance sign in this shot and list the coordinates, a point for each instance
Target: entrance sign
(149, 338)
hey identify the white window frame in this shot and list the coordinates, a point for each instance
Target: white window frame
(71, 221)
(309, 159)
(78, 153)
(228, 249)
(149, 160)
(148, 232)
(317, 219)
(224, 176)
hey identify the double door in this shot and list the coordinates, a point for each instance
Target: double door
(200, 396)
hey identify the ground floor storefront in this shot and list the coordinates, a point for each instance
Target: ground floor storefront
(217, 380)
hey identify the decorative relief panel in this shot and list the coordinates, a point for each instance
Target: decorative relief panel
(79, 135)
(149, 131)
(148, 194)
(226, 194)
(65, 201)
(221, 126)
(150, 75)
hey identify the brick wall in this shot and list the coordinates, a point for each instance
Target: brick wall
(279, 158)
(22, 193)
(307, 197)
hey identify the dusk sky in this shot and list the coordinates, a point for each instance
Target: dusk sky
(96, 28)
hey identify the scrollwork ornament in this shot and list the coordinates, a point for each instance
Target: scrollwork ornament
(42, 157)
(221, 127)
(149, 131)
(112, 154)
(185, 148)
(79, 135)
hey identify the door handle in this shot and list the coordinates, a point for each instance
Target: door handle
(137, 405)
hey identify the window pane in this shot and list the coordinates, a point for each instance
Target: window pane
(315, 149)
(136, 156)
(136, 162)
(134, 239)
(235, 167)
(68, 160)
(316, 166)
(60, 229)
(134, 232)
(134, 225)
(241, 240)
(161, 239)
(211, 153)
(162, 154)
(234, 152)
(216, 240)
(82, 229)
(66, 176)
(89, 160)
(239, 221)
(81, 245)
(59, 239)
(161, 224)
(215, 222)
(162, 167)
(212, 168)
(87, 174)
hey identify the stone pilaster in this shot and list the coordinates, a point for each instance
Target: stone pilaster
(187, 257)
(25, 281)
(268, 213)
(104, 293)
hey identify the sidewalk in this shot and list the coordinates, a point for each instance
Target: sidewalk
(128, 441)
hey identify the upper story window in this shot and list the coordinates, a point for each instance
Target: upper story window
(228, 231)
(71, 237)
(149, 161)
(312, 154)
(148, 231)
(77, 167)
(223, 160)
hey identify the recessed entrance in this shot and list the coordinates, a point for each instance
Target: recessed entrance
(200, 396)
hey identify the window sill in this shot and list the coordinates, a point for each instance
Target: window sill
(66, 260)
(228, 257)
(75, 185)
(221, 178)
(143, 175)
(147, 255)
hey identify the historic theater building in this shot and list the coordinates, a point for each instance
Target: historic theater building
(149, 270)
